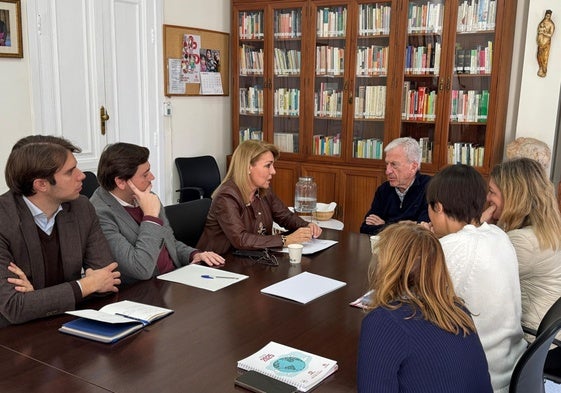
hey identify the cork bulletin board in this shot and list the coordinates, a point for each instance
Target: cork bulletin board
(196, 61)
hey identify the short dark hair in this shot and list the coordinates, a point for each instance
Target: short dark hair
(36, 157)
(120, 160)
(461, 190)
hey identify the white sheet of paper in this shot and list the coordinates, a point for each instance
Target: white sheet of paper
(211, 83)
(192, 275)
(175, 84)
(314, 246)
(303, 287)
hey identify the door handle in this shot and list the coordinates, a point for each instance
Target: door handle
(103, 117)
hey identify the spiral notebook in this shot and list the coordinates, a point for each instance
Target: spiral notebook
(300, 369)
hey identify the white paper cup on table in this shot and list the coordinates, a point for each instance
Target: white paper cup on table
(295, 253)
(373, 242)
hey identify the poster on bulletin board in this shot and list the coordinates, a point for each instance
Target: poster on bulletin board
(196, 61)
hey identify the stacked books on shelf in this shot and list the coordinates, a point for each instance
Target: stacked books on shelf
(325, 145)
(425, 18)
(328, 101)
(370, 102)
(426, 149)
(368, 148)
(418, 104)
(251, 60)
(300, 369)
(372, 60)
(251, 100)
(474, 61)
(465, 153)
(422, 60)
(251, 25)
(286, 141)
(374, 19)
(288, 24)
(250, 133)
(330, 60)
(469, 106)
(287, 62)
(331, 21)
(476, 15)
(286, 102)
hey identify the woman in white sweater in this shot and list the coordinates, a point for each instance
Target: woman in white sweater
(522, 201)
(482, 264)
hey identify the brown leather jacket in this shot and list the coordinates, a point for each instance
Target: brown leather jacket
(233, 224)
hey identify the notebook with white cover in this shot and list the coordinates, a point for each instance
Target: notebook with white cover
(300, 369)
(303, 287)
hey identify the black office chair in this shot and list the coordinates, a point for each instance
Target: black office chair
(528, 375)
(552, 369)
(188, 219)
(198, 177)
(90, 184)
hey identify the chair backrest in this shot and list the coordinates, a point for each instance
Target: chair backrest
(528, 375)
(550, 317)
(90, 184)
(188, 219)
(197, 172)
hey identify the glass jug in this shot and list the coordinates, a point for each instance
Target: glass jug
(305, 195)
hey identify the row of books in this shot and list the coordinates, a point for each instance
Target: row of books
(286, 141)
(251, 60)
(465, 153)
(288, 23)
(374, 19)
(250, 133)
(370, 102)
(426, 149)
(418, 104)
(368, 148)
(328, 101)
(423, 59)
(425, 18)
(251, 100)
(474, 61)
(326, 145)
(331, 21)
(469, 106)
(330, 60)
(251, 25)
(287, 62)
(286, 102)
(476, 15)
(372, 60)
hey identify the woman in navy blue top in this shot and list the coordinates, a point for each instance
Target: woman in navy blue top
(417, 337)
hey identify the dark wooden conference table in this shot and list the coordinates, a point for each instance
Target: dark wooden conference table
(196, 348)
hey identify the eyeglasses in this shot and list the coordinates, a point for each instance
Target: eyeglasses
(266, 258)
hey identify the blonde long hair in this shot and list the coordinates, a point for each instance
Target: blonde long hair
(528, 199)
(411, 269)
(245, 155)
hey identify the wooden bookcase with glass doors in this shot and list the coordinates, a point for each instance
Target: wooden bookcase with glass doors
(333, 82)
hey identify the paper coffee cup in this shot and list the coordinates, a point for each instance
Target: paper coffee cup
(373, 241)
(295, 253)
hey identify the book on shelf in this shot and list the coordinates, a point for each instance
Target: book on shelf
(297, 368)
(113, 321)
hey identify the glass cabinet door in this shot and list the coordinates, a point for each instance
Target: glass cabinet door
(287, 98)
(422, 73)
(471, 82)
(250, 70)
(329, 80)
(370, 79)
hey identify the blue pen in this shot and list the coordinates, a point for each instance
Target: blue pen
(211, 277)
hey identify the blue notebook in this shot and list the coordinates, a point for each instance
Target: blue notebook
(100, 331)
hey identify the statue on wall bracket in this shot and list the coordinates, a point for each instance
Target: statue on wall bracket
(545, 32)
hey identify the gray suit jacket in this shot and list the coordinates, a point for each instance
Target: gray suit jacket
(136, 247)
(82, 245)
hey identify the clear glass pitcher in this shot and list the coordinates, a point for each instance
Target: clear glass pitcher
(305, 195)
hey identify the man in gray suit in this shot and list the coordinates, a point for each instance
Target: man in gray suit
(48, 233)
(133, 219)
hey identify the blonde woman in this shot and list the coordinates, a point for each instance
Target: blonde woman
(243, 206)
(418, 336)
(522, 200)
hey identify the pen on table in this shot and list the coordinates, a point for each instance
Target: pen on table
(209, 276)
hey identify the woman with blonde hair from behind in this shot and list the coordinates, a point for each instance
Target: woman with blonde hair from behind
(522, 201)
(418, 336)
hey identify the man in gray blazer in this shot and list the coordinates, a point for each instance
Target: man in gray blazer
(48, 234)
(133, 219)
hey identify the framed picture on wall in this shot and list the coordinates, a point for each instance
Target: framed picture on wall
(10, 29)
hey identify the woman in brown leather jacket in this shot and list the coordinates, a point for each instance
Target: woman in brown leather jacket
(243, 207)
